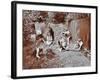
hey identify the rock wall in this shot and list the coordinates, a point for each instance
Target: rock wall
(85, 32)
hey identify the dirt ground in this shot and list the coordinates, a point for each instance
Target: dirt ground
(31, 62)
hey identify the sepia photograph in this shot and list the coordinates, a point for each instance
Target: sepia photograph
(56, 39)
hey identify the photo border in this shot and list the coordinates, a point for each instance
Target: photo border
(14, 38)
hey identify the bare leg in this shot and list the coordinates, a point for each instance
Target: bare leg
(37, 53)
(68, 42)
(80, 45)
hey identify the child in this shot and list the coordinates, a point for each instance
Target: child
(79, 44)
(50, 36)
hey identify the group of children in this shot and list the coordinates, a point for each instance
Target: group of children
(44, 36)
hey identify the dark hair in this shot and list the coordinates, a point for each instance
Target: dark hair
(39, 19)
(51, 32)
(39, 36)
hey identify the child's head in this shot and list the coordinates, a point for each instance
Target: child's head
(79, 39)
(40, 19)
